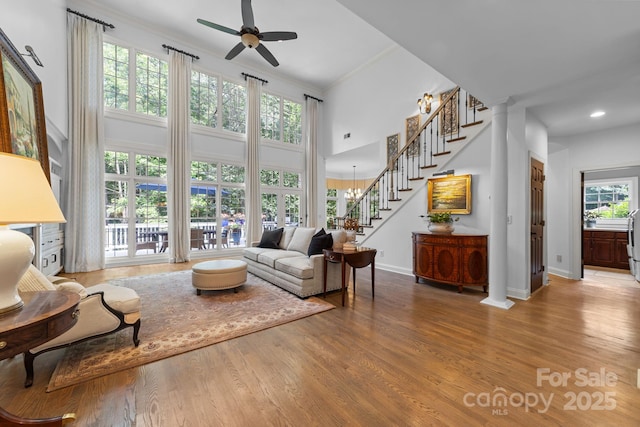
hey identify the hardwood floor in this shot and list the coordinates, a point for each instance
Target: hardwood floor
(417, 355)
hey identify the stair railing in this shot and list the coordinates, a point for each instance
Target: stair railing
(421, 152)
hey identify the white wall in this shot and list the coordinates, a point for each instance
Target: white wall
(394, 238)
(42, 25)
(614, 148)
(374, 101)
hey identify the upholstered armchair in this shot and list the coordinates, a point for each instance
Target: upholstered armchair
(103, 309)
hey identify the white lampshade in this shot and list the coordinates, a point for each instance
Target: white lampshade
(25, 197)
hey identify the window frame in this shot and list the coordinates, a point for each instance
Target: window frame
(631, 181)
(281, 143)
(218, 112)
(131, 114)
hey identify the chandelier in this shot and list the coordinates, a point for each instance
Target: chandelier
(354, 193)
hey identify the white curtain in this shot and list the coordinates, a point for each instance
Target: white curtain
(84, 233)
(179, 157)
(311, 160)
(253, 200)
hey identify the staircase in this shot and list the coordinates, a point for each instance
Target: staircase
(456, 121)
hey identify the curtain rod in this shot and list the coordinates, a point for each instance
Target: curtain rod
(99, 21)
(254, 77)
(195, 57)
(312, 97)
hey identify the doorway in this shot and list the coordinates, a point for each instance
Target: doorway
(537, 224)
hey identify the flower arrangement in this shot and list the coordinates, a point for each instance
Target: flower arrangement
(593, 215)
(441, 217)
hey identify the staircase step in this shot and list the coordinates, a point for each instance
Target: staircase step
(375, 217)
(405, 189)
(385, 209)
(428, 166)
(483, 108)
(394, 200)
(444, 153)
(479, 122)
(416, 179)
(460, 138)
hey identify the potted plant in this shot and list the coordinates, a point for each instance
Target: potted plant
(441, 222)
(236, 232)
(590, 218)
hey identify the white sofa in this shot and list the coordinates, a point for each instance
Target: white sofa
(290, 267)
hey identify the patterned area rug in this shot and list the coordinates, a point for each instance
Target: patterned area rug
(175, 320)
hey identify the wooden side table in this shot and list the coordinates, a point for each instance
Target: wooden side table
(44, 316)
(361, 257)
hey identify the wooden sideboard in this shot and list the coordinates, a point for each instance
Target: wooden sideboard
(605, 248)
(455, 259)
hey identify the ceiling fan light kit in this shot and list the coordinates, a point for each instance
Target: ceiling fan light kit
(250, 40)
(250, 36)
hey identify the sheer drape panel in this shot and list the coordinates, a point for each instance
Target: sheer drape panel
(254, 205)
(179, 157)
(84, 232)
(311, 159)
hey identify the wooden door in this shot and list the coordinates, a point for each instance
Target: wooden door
(537, 224)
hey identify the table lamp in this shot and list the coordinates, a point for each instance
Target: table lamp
(25, 197)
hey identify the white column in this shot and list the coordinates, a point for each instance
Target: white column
(498, 231)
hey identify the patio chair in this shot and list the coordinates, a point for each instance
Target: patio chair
(197, 238)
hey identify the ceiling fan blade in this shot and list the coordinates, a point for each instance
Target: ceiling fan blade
(247, 14)
(218, 27)
(266, 54)
(235, 51)
(274, 36)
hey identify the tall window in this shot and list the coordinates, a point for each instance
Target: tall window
(234, 107)
(609, 199)
(136, 204)
(232, 203)
(147, 82)
(116, 76)
(204, 99)
(331, 210)
(281, 194)
(204, 177)
(151, 85)
(292, 122)
(280, 119)
(270, 117)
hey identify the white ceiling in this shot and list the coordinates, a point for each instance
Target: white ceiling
(560, 58)
(329, 44)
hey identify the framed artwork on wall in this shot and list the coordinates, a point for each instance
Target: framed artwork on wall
(449, 114)
(473, 102)
(22, 121)
(393, 142)
(449, 194)
(412, 125)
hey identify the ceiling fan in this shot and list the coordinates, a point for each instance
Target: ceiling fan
(251, 36)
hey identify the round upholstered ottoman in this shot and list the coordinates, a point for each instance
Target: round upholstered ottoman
(218, 274)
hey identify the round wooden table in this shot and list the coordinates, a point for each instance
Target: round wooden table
(358, 258)
(44, 316)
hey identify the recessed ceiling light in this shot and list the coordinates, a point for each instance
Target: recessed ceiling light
(597, 114)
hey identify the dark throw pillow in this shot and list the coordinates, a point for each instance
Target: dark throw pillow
(271, 239)
(321, 240)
